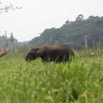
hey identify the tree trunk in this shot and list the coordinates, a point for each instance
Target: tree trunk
(4, 52)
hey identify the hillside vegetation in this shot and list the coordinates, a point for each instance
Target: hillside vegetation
(73, 33)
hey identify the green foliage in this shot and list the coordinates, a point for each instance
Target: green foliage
(73, 33)
(77, 81)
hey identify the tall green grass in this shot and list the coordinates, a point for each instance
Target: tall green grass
(77, 81)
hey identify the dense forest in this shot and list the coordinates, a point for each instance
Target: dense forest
(78, 34)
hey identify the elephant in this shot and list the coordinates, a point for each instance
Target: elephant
(57, 53)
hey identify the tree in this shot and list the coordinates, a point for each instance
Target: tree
(8, 7)
(80, 17)
(67, 22)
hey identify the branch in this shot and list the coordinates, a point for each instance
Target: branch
(4, 52)
(6, 8)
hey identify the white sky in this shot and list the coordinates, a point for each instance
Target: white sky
(38, 15)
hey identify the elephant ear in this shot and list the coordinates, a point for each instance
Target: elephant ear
(34, 50)
(39, 53)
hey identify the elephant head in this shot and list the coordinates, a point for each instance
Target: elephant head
(31, 55)
(34, 53)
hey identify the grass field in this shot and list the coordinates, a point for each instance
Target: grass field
(78, 81)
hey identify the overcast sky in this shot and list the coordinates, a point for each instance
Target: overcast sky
(38, 15)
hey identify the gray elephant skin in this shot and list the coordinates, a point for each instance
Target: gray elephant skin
(57, 53)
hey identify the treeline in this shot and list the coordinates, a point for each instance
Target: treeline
(78, 34)
(7, 42)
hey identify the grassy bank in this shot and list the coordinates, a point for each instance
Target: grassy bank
(79, 81)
